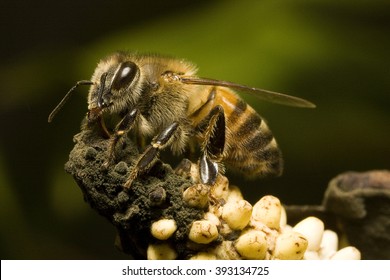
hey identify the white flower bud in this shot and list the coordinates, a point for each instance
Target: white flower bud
(196, 196)
(330, 240)
(283, 217)
(312, 229)
(252, 245)
(290, 246)
(329, 244)
(161, 252)
(203, 232)
(212, 218)
(220, 190)
(268, 211)
(347, 253)
(237, 214)
(163, 229)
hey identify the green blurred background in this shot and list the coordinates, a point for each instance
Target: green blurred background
(334, 53)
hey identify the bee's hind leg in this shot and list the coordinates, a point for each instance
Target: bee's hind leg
(213, 127)
(150, 155)
(121, 129)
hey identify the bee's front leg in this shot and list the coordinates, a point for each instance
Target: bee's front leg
(213, 128)
(121, 129)
(150, 155)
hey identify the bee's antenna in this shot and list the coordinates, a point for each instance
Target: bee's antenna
(66, 97)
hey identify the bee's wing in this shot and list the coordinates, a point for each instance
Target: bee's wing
(266, 95)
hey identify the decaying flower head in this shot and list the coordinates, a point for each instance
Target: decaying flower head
(169, 214)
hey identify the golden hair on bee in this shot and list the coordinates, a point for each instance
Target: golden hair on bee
(163, 98)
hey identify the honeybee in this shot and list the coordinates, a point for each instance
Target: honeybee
(163, 98)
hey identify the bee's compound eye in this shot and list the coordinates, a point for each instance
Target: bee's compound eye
(125, 75)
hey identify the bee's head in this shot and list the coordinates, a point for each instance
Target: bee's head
(114, 83)
(113, 89)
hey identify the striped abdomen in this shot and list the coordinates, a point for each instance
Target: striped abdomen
(250, 146)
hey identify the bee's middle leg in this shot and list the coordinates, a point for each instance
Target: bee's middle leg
(150, 155)
(213, 127)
